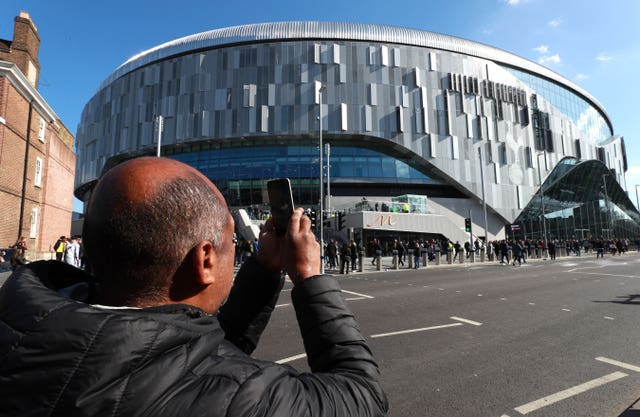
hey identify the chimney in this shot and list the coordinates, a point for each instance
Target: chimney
(25, 46)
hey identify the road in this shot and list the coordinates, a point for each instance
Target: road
(544, 339)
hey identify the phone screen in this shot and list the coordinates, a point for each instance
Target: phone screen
(281, 201)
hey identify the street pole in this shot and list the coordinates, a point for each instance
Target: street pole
(328, 150)
(637, 200)
(484, 202)
(321, 90)
(544, 221)
(606, 203)
(160, 125)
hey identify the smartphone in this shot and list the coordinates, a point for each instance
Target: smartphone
(281, 201)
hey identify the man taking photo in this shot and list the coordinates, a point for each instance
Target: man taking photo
(150, 333)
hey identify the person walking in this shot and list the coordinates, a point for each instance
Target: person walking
(59, 247)
(416, 255)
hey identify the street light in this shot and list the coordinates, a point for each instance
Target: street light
(544, 221)
(606, 203)
(484, 202)
(160, 127)
(321, 91)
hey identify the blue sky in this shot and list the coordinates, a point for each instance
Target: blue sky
(594, 43)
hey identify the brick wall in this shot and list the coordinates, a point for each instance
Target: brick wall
(54, 198)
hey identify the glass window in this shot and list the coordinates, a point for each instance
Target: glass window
(38, 177)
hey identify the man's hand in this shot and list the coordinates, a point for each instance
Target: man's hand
(269, 248)
(300, 250)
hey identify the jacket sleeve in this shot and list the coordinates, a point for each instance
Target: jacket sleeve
(252, 299)
(344, 380)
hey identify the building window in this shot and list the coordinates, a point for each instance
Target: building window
(38, 178)
(528, 159)
(502, 153)
(33, 232)
(41, 130)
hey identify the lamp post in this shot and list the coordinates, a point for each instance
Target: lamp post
(321, 90)
(637, 200)
(606, 203)
(484, 202)
(544, 221)
(160, 126)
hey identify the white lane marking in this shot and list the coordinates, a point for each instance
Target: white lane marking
(503, 299)
(358, 294)
(532, 304)
(565, 309)
(608, 318)
(441, 289)
(601, 274)
(479, 295)
(458, 291)
(282, 305)
(570, 392)
(475, 323)
(292, 358)
(355, 298)
(618, 363)
(373, 336)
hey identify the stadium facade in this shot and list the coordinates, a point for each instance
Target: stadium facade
(406, 112)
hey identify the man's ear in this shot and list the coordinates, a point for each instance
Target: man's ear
(203, 261)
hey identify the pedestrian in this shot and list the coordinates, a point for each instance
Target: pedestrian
(416, 255)
(457, 249)
(354, 247)
(401, 250)
(59, 247)
(71, 252)
(504, 251)
(148, 333)
(17, 258)
(345, 258)
(376, 249)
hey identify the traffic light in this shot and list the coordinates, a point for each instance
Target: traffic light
(340, 220)
(325, 220)
(467, 224)
(314, 219)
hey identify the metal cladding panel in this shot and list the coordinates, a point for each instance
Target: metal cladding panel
(281, 31)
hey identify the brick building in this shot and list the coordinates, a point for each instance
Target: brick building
(37, 161)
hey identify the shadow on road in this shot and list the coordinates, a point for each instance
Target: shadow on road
(633, 299)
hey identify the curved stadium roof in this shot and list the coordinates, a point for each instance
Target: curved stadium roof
(281, 31)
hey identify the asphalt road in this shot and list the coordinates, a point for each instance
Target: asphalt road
(544, 339)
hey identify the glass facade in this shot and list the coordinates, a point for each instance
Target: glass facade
(241, 171)
(587, 118)
(581, 201)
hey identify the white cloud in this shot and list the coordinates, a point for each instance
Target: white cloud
(554, 22)
(549, 59)
(543, 49)
(581, 76)
(604, 57)
(514, 2)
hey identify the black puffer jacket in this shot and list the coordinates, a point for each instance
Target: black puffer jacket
(62, 357)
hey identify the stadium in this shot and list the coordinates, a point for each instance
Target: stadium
(418, 131)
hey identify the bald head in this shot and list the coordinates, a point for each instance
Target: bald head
(143, 217)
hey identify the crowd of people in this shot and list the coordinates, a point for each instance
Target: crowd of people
(343, 256)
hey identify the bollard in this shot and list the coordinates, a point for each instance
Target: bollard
(509, 256)
(360, 261)
(538, 254)
(378, 260)
(461, 256)
(425, 258)
(410, 258)
(481, 254)
(449, 256)
(545, 254)
(395, 259)
(438, 255)
(472, 256)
